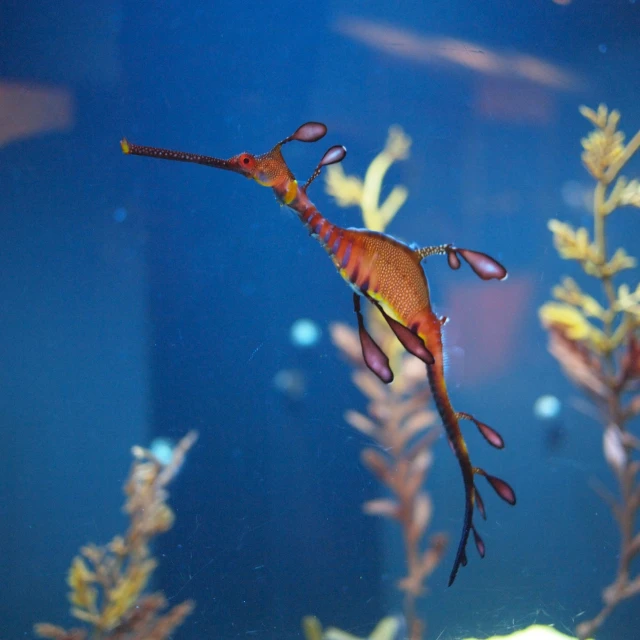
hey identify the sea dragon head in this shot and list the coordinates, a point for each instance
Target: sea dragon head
(268, 169)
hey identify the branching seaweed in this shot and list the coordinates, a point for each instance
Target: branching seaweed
(598, 343)
(108, 582)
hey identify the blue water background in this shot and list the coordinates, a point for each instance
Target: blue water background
(142, 298)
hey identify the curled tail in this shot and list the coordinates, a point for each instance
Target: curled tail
(467, 523)
(423, 338)
(459, 448)
(451, 422)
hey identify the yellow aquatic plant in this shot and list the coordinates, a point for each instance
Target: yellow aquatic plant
(392, 628)
(389, 628)
(351, 191)
(597, 342)
(107, 583)
(534, 632)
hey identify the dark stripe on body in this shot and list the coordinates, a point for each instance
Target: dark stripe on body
(353, 277)
(347, 255)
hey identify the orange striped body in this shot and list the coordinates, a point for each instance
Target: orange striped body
(373, 264)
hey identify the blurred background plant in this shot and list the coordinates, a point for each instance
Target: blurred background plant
(389, 628)
(108, 582)
(397, 418)
(597, 344)
(351, 191)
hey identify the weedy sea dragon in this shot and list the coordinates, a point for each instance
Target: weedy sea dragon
(389, 274)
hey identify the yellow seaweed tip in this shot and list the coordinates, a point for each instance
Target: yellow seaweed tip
(387, 629)
(566, 316)
(352, 191)
(80, 579)
(312, 628)
(534, 632)
(124, 145)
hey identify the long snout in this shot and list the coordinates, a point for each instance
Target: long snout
(129, 148)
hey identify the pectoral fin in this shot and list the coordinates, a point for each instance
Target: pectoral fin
(375, 359)
(502, 488)
(409, 340)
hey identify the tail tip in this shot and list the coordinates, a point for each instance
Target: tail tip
(124, 145)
